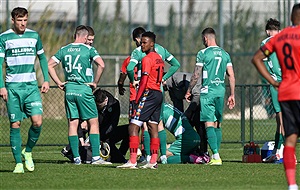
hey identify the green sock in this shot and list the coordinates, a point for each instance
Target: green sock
(178, 159)
(16, 142)
(218, 132)
(73, 141)
(146, 142)
(33, 137)
(280, 141)
(95, 143)
(212, 139)
(162, 135)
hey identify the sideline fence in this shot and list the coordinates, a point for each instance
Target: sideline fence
(251, 120)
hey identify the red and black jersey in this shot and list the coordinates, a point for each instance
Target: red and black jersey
(153, 66)
(286, 44)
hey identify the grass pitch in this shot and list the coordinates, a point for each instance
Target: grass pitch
(52, 171)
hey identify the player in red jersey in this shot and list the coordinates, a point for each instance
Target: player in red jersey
(148, 103)
(123, 74)
(287, 47)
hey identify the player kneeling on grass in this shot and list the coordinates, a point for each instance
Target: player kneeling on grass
(187, 139)
(110, 133)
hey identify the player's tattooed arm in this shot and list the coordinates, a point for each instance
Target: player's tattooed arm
(194, 79)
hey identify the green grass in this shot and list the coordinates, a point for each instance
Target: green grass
(55, 172)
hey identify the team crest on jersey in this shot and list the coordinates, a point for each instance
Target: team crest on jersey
(267, 52)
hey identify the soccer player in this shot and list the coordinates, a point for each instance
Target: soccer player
(133, 71)
(20, 46)
(79, 99)
(286, 45)
(135, 61)
(91, 36)
(177, 86)
(271, 62)
(213, 63)
(148, 102)
(132, 90)
(187, 139)
(108, 116)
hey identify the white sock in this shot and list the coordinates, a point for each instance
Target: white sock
(148, 158)
(96, 157)
(293, 187)
(216, 156)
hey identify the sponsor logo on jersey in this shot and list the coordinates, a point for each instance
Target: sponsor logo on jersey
(73, 77)
(34, 104)
(27, 50)
(217, 81)
(73, 94)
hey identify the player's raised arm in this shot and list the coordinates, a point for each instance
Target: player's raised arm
(175, 65)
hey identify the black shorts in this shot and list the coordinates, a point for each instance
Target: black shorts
(131, 108)
(291, 117)
(149, 106)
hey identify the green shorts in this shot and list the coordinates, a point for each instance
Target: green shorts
(80, 103)
(185, 143)
(23, 103)
(274, 97)
(211, 109)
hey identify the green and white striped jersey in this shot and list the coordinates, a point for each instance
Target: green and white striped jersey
(214, 61)
(272, 63)
(20, 51)
(76, 62)
(174, 120)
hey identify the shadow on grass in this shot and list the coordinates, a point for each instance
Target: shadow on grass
(6, 171)
(232, 161)
(52, 161)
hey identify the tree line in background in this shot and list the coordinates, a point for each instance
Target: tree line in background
(242, 36)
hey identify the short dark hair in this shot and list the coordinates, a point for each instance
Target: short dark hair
(100, 95)
(296, 14)
(150, 35)
(273, 24)
(137, 32)
(91, 31)
(19, 12)
(79, 30)
(208, 30)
